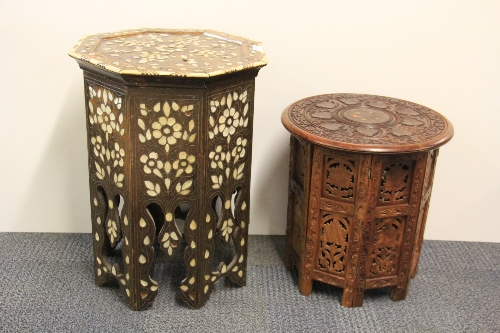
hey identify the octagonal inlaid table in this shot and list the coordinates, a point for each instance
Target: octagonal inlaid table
(169, 123)
(361, 172)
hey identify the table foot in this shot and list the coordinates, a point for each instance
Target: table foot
(305, 284)
(399, 294)
(113, 255)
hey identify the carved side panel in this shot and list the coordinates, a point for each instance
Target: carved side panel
(386, 246)
(334, 238)
(339, 178)
(396, 183)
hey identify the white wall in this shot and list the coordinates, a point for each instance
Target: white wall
(442, 54)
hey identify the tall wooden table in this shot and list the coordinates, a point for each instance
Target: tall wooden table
(361, 172)
(169, 123)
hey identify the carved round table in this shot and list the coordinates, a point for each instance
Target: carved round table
(361, 172)
(169, 123)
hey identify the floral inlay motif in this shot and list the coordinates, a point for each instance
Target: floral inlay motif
(99, 149)
(106, 120)
(217, 158)
(229, 113)
(152, 164)
(167, 131)
(239, 149)
(229, 121)
(184, 164)
(117, 155)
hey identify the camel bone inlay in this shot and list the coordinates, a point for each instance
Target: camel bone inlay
(169, 122)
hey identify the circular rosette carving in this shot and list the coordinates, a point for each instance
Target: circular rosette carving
(367, 123)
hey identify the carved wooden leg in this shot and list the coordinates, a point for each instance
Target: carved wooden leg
(400, 291)
(305, 283)
(349, 300)
(419, 241)
(426, 197)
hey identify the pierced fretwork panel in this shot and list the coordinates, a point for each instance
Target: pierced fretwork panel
(339, 178)
(334, 237)
(395, 182)
(386, 245)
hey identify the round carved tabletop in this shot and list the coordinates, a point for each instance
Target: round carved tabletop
(367, 123)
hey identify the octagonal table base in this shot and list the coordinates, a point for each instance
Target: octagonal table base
(356, 220)
(163, 152)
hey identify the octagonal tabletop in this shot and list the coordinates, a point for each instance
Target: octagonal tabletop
(186, 53)
(367, 123)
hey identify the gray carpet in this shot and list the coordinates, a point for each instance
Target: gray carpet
(46, 285)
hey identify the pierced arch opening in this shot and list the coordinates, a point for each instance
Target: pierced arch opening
(120, 204)
(103, 200)
(235, 200)
(156, 214)
(217, 206)
(180, 214)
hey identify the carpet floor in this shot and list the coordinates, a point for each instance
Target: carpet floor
(46, 285)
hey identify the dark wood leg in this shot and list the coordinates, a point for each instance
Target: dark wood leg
(138, 254)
